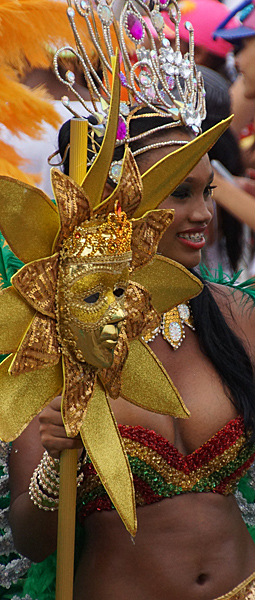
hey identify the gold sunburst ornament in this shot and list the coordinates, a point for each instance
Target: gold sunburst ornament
(73, 318)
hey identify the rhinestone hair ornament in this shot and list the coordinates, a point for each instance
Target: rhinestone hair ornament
(163, 80)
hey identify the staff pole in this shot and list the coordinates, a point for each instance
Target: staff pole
(68, 458)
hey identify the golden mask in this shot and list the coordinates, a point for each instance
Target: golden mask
(90, 303)
(92, 279)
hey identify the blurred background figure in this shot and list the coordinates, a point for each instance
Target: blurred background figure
(242, 36)
(204, 16)
(31, 110)
(23, 111)
(227, 243)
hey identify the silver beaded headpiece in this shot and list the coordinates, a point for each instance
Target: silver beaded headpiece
(154, 75)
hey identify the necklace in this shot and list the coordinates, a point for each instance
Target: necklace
(172, 325)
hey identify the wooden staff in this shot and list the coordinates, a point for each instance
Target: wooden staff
(68, 458)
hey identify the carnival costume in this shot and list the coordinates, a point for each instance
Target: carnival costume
(102, 252)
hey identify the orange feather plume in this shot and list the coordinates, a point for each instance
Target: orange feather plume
(42, 27)
(26, 27)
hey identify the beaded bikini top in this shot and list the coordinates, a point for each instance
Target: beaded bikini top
(161, 471)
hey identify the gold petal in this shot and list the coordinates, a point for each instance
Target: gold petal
(103, 442)
(95, 180)
(39, 348)
(146, 235)
(37, 282)
(111, 377)
(168, 282)
(79, 384)
(23, 397)
(128, 191)
(73, 204)
(145, 383)
(28, 219)
(15, 316)
(139, 310)
(163, 177)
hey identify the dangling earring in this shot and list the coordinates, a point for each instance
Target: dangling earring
(172, 325)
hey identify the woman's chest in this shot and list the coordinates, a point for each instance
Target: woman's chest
(201, 390)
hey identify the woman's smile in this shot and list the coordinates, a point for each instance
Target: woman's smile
(194, 238)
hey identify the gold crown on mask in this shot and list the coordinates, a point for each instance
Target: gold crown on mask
(100, 238)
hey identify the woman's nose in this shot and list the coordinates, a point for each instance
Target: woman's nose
(202, 210)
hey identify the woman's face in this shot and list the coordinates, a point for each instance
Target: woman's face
(192, 202)
(245, 64)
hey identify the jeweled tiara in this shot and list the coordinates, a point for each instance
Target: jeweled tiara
(153, 75)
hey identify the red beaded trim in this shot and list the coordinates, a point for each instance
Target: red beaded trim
(217, 444)
(228, 440)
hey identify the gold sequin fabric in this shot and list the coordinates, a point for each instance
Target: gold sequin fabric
(73, 205)
(146, 235)
(39, 347)
(244, 591)
(36, 282)
(161, 471)
(97, 238)
(140, 312)
(129, 191)
(79, 387)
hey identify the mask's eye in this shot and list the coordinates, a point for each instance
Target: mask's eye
(119, 292)
(92, 299)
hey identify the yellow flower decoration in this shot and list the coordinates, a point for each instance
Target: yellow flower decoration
(39, 367)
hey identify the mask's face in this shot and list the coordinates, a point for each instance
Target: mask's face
(91, 310)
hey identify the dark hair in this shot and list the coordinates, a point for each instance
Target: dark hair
(227, 354)
(216, 339)
(137, 126)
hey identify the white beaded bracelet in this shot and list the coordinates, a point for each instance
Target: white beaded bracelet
(44, 483)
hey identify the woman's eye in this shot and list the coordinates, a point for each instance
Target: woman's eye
(209, 191)
(92, 299)
(119, 292)
(181, 193)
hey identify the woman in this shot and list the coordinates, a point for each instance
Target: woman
(191, 545)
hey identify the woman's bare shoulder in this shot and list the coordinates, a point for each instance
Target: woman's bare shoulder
(238, 309)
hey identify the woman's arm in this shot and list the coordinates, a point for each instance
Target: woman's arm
(35, 530)
(243, 108)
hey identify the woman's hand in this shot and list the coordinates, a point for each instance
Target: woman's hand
(52, 431)
(247, 183)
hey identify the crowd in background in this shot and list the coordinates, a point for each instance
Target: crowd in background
(226, 57)
(224, 38)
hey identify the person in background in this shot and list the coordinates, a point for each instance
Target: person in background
(204, 16)
(242, 36)
(225, 242)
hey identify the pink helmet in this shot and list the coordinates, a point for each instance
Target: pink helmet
(204, 15)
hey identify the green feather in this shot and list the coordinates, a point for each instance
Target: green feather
(247, 287)
(9, 263)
